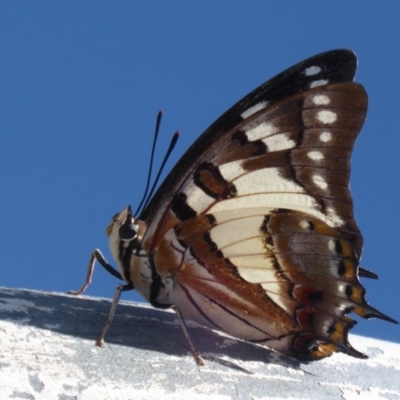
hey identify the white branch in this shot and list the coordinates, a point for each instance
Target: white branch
(47, 351)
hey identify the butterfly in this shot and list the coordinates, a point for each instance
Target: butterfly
(252, 233)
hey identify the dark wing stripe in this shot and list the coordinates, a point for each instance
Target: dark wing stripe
(181, 208)
(209, 179)
(197, 307)
(225, 310)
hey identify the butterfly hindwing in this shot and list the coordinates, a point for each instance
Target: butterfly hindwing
(276, 277)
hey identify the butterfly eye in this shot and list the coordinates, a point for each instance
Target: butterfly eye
(128, 231)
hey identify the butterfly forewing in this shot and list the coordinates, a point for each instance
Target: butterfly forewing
(326, 68)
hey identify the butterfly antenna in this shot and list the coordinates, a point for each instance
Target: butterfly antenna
(158, 123)
(167, 154)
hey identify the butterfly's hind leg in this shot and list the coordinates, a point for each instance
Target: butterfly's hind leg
(195, 353)
(110, 317)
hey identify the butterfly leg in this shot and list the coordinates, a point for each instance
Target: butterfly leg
(110, 317)
(96, 255)
(194, 352)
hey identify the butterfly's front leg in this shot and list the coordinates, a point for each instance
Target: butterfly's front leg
(96, 255)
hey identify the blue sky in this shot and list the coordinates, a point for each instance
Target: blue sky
(80, 87)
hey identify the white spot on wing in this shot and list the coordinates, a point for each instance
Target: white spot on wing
(320, 82)
(279, 142)
(260, 269)
(299, 202)
(252, 110)
(250, 246)
(255, 268)
(342, 288)
(315, 155)
(326, 116)
(265, 189)
(231, 170)
(227, 216)
(331, 245)
(304, 224)
(342, 307)
(321, 99)
(197, 199)
(313, 70)
(325, 136)
(267, 180)
(333, 218)
(273, 290)
(239, 231)
(319, 181)
(260, 131)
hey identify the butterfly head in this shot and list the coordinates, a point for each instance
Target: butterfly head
(125, 235)
(122, 226)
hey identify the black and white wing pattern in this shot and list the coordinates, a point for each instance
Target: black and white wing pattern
(253, 232)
